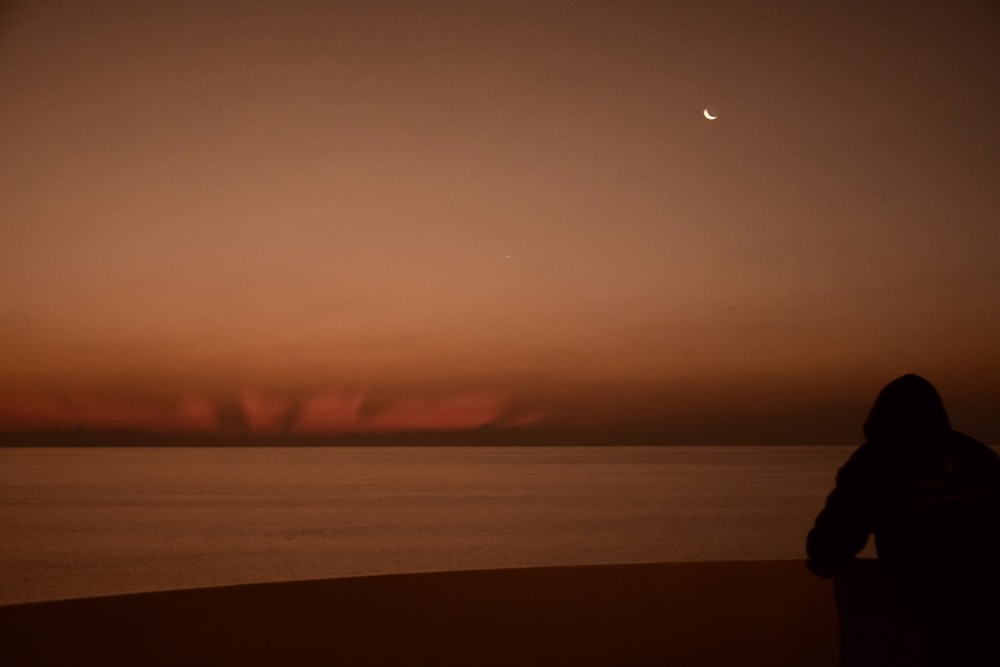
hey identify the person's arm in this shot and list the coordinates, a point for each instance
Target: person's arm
(843, 527)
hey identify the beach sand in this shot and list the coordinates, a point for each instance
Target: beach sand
(734, 613)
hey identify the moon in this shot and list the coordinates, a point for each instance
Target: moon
(708, 114)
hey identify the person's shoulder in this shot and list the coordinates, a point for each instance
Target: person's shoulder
(868, 454)
(864, 461)
(974, 455)
(969, 446)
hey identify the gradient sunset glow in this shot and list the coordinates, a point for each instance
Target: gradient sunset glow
(298, 218)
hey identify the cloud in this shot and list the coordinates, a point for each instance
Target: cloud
(524, 417)
(269, 414)
(376, 412)
(254, 412)
(231, 416)
(333, 412)
(187, 414)
(464, 411)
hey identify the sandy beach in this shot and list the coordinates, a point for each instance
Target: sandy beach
(734, 613)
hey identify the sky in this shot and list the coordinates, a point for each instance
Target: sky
(304, 218)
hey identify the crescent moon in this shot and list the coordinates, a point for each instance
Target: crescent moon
(708, 115)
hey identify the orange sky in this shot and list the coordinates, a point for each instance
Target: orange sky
(309, 217)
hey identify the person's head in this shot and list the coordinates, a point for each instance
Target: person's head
(907, 410)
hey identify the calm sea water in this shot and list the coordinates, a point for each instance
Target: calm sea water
(77, 522)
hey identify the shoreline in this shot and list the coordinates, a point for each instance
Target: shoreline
(691, 613)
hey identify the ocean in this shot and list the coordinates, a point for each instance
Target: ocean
(94, 521)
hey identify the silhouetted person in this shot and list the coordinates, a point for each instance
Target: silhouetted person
(931, 498)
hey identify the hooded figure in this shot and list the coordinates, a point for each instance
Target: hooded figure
(931, 498)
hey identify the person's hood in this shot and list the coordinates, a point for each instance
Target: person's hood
(908, 411)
